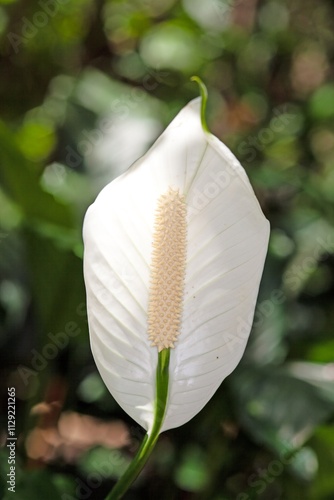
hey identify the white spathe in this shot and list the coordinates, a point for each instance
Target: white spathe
(227, 244)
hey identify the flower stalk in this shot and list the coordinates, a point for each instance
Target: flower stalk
(149, 442)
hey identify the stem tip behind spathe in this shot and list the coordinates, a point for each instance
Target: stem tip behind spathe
(204, 95)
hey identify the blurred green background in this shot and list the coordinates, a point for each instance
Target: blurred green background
(86, 87)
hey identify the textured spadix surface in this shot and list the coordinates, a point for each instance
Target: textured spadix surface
(227, 237)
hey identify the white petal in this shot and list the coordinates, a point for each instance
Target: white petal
(227, 243)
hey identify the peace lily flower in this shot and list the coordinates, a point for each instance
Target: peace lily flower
(174, 253)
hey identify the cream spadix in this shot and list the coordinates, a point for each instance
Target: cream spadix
(174, 253)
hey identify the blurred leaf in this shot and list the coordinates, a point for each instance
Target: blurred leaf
(314, 241)
(173, 46)
(278, 409)
(192, 474)
(56, 300)
(267, 344)
(322, 352)
(91, 388)
(107, 463)
(319, 375)
(323, 444)
(322, 102)
(21, 182)
(304, 463)
(36, 140)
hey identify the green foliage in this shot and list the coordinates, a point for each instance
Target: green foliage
(88, 87)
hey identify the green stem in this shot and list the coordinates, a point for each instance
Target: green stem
(204, 95)
(144, 452)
